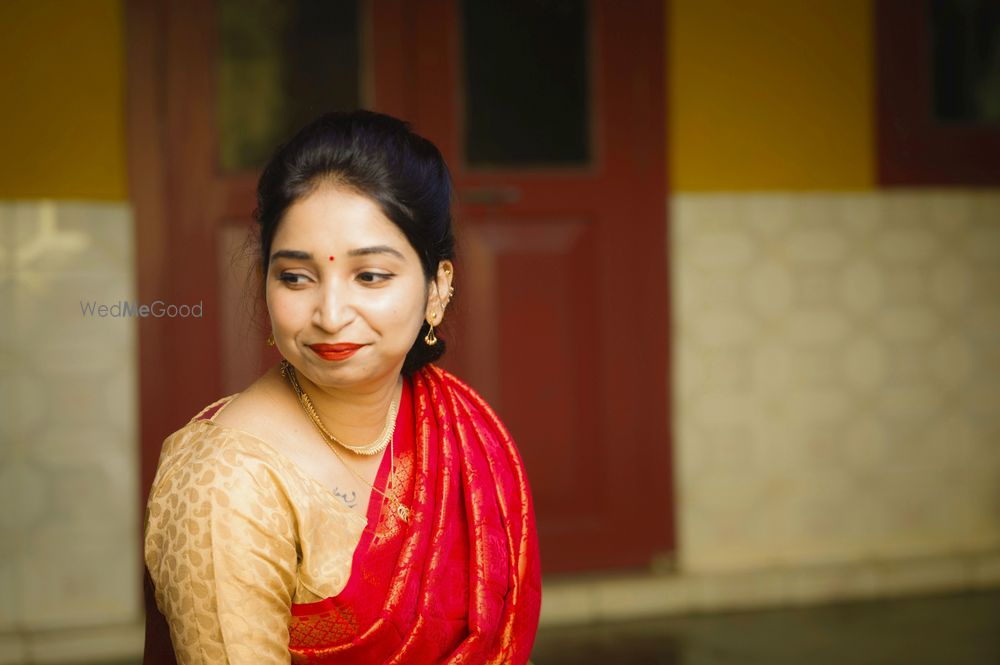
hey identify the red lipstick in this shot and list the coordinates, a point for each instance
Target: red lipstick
(335, 351)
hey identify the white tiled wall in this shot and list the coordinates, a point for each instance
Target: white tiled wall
(837, 384)
(69, 516)
(837, 377)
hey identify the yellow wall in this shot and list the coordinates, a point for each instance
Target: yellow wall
(764, 95)
(771, 95)
(62, 125)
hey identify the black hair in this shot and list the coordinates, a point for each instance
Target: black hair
(379, 157)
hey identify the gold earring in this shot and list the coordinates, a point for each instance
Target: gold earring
(430, 338)
(270, 339)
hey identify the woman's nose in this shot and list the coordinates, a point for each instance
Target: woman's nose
(334, 309)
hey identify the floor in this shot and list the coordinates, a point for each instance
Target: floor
(939, 630)
(943, 630)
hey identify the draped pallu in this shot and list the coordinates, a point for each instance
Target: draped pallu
(459, 583)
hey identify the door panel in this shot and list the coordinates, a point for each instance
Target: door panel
(532, 359)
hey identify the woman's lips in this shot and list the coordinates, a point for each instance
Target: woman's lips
(335, 351)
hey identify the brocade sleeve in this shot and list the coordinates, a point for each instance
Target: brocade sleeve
(220, 547)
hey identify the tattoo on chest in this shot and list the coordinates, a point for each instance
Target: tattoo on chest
(349, 498)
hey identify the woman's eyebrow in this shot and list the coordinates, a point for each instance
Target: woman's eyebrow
(377, 249)
(291, 254)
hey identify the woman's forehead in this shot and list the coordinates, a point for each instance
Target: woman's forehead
(341, 217)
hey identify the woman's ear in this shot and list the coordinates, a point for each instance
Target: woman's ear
(440, 292)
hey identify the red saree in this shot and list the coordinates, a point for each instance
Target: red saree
(459, 583)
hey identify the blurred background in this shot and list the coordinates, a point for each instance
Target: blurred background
(729, 271)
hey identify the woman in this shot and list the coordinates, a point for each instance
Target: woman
(356, 504)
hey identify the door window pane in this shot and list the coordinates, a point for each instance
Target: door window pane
(966, 58)
(527, 83)
(280, 64)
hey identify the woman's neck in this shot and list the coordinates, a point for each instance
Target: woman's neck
(355, 416)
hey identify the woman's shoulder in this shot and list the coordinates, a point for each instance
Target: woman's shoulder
(260, 412)
(233, 423)
(213, 447)
(204, 453)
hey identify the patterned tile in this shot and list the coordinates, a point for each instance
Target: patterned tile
(837, 376)
(68, 462)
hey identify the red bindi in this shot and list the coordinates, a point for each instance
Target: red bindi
(331, 258)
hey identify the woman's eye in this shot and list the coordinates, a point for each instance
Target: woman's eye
(374, 277)
(291, 278)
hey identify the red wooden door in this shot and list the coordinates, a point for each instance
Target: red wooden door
(564, 300)
(561, 316)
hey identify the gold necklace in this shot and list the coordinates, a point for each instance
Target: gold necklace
(402, 510)
(374, 448)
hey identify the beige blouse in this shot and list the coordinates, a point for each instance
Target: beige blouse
(235, 533)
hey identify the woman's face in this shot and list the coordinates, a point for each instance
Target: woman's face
(341, 273)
